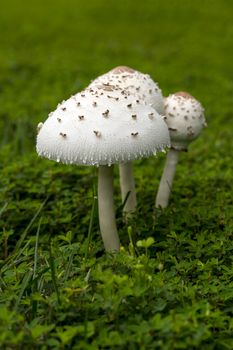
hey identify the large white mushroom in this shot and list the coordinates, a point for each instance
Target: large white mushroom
(101, 126)
(184, 116)
(145, 91)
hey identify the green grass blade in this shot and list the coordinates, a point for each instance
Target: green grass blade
(67, 271)
(120, 208)
(53, 273)
(90, 225)
(24, 234)
(3, 208)
(36, 249)
(14, 258)
(25, 283)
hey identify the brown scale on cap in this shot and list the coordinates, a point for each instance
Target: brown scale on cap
(97, 133)
(134, 134)
(184, 94)
(106, 113)
(190, 133)
(122, 69)
(62, 134)
(106, 87)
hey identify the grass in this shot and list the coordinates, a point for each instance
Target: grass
(58, 289)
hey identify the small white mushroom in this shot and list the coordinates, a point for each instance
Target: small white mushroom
(183, 130)
(146, 91)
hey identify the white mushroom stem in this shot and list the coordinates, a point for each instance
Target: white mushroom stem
(127, 186)
(107, 220)
(166, 181)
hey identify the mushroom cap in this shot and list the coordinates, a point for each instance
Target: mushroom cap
(185, 119)
(140, 85)
(102, 126)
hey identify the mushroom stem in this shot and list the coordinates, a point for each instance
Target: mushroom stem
(127, 185)
(166, 181)
(107, 219)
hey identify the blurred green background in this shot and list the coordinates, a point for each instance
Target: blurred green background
(52, 49)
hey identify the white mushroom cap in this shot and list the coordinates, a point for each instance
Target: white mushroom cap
(185, 119)
(102, 126)
(136, 83)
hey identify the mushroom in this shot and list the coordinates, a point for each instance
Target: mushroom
(184, 116)
(145, 91)
(102, 141)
